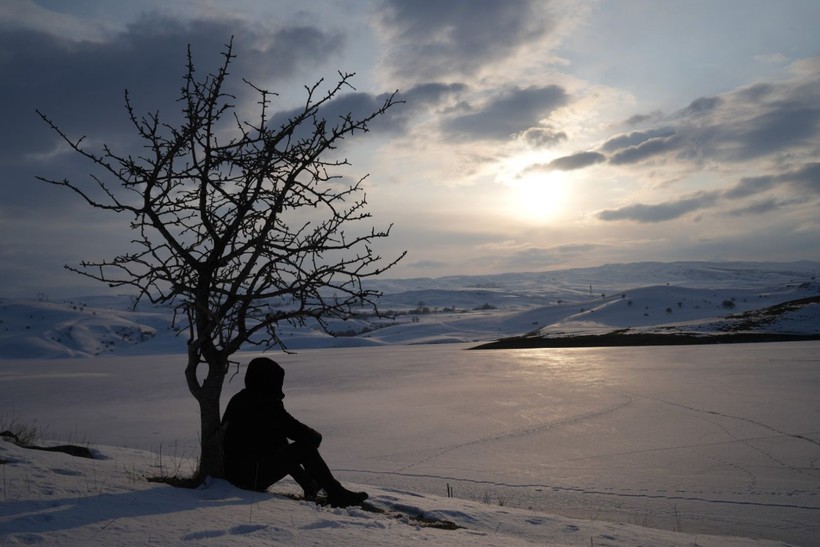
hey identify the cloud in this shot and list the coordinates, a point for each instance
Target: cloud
(540, 257)
(749, 186)
(507, 114)
(785, 125)
(359, 105)
(577, 248)
(805, 181)
(418, 100)
(752, 122)
(660, 212)
(543, 137)
(426, 265)
(757, 208)
(644, 150)
(635, 138)
(756, 92)
(80, 84)
(639, 119)
(430, 94)
(566, 163)
(431, 39)
(576, 161)
(702, 106)
(807, 178)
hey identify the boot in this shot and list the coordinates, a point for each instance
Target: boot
(316, 468)
(342, 497)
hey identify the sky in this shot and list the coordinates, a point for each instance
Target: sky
(534, 135)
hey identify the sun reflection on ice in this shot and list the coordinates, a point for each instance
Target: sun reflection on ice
(575, 366)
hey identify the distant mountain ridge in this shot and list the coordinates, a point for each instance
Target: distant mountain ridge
(692, 298)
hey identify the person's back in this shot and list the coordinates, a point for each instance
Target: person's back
(250, 434)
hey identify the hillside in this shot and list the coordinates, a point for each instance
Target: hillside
(685, 299)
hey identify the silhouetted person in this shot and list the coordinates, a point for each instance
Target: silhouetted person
(258, 452)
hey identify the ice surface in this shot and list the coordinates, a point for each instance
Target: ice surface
(546, 446)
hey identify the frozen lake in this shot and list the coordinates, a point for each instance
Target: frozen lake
(705, 439)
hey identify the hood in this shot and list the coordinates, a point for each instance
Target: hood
(265, 376)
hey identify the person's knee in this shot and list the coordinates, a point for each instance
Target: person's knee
(303, 452)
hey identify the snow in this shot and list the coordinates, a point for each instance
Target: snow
(684, 445)
(682, 297)
(603, 446)
(106, 502)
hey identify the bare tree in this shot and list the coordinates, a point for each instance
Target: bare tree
(240, 225)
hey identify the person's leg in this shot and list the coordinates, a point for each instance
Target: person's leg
(309, 486)
(316, 469)
(261, 475)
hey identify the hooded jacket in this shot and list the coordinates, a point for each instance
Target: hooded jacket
(256, 425)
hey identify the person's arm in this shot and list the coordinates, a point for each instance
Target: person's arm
(299, 432)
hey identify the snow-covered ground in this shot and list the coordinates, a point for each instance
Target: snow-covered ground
(681, 297)
(692, 445)
(602, 446)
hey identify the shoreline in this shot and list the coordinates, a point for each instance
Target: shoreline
(620, 339)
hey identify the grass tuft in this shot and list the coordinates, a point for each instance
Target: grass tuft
(22, 433)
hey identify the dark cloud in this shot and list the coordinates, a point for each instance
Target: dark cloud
(80, 85)
(567, 163)
(753, 122)
(784, 126)
(577, 161)
(638, 119)
(359, 105)
(804, 181)
(430, 94)
(749, 186)
(702, 106)
(758, 208)
(431, 39)
(661, 212)
(508, 114)
(543, 137)
(645, 150)
(418, 99)
(636, 138)
(763, 120)
(756, 92)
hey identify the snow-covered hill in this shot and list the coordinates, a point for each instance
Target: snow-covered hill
(55, 499)
(687, 297)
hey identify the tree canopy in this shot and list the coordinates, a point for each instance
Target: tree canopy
(239, 224)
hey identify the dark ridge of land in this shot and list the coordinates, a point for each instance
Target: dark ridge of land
(621, 339)
(734, 330)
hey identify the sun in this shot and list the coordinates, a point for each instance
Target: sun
(538, 197)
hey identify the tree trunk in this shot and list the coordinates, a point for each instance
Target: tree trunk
(208, 394)
(211, 457)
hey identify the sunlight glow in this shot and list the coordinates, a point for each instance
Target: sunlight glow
(538, 197)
